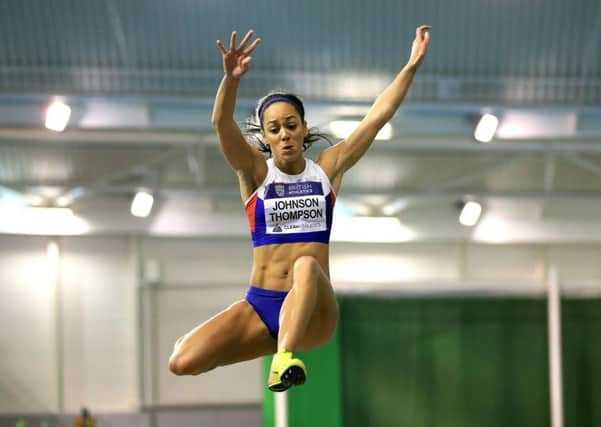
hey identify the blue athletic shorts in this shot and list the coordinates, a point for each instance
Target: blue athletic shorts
(267, 303)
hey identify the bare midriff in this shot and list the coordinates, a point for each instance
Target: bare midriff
(273, 264)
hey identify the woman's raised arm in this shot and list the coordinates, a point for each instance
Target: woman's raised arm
(242, 157)
(341, 157)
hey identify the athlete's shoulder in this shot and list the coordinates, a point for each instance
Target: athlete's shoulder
(318, 170)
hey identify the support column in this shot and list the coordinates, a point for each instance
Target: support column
(555, 373)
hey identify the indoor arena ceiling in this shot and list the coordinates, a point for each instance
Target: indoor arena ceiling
(140, 76)
(488, 51)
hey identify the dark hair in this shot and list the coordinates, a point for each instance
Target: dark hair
(254, 124)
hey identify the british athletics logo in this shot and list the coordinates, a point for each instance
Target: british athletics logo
(296, 189)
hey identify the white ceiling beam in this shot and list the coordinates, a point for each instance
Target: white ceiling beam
(414, 196)
(400, 144)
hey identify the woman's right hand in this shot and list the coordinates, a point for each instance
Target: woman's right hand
(236, 60)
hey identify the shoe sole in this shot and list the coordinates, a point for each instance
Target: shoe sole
(294, 375)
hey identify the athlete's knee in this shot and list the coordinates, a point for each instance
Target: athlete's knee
(182, 362)
(306, 266)
(177, 364)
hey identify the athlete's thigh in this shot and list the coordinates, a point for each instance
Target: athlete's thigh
(323, 322)
(234, 335)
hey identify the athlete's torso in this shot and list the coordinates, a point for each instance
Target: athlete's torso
(290, 216)
(291, 208)
(273, 264)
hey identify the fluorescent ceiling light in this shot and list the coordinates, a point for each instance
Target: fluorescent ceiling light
(10, 198)
(142, 204)
(544, 123)
(348, 208)
(494, 230)
(394, 207)
(42, 221)
(51, 212)
(66, 199)
(57, 116)
(63, 201)
(486, 128)
(470, 213)
(344, 128)
(35, 200)
(371, 229)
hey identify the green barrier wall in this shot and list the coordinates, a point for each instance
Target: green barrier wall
(448, 362)
(465, 362)
(581, 335)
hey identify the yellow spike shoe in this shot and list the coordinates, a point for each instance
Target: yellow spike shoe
(286, 371)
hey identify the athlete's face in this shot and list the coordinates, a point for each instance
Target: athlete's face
(284, 131)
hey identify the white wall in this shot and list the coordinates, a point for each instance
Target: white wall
(355, 265)
(27, 346)
(99, 323)
(202, 262)
(464, 267)
(180, 311)
(98, 326)
(199, 278)
(194, 280)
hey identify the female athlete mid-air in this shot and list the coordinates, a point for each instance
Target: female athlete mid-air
(289, 200)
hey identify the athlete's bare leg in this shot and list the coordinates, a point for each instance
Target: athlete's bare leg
(310, 312)
(234, 335)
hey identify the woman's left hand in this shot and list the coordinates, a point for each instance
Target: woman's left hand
(420, 45)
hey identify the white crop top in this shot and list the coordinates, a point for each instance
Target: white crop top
(291, 208)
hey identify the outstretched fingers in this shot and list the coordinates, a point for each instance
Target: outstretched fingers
(245, 40)
(240, 49)
(221, 47)
(252, 47)
(233, 41)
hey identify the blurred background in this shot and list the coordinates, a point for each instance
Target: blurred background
(477, 208)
